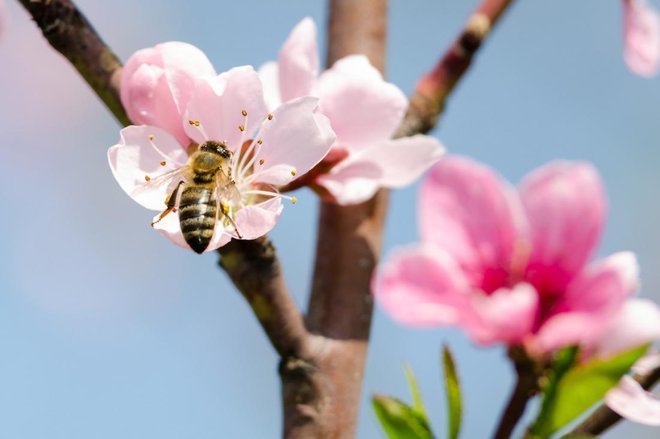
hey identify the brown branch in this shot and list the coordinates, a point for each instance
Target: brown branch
(526, 386)
(255, 270)
(348, 245)
(433, 89)
(604, 417)
(69, 32)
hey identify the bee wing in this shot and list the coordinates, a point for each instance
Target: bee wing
(225, 190)
(162, 185)
(227, 197)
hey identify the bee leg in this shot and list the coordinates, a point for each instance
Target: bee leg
(224, 208)
(172, 202)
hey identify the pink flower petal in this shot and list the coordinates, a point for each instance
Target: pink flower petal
(565, 204)
(634, 403)
(469, 212)
(602, 287)
(506, 315)
(256, 220)
(218, 104)
(136, 157)
(641, 28)
(391, 164)
(637, 323)
(295, 140)
(170, 228)
(298, 61)
(269, 75)
(352, 181)
(363, 109)
(566, 329)
(647, 363)
(157, 83)
(422, 286)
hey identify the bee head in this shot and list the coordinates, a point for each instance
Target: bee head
(219, 148)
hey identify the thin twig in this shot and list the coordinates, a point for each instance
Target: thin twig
(604, 417)
(69, 32)
(433, 89)
(255, 270)
(526, 386)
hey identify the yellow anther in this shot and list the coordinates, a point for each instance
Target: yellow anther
(241, 127)
(151, 137)
(294, 200)
(270, 117)
(147, 178)
(259, 141)
(244, 113)
(224, 207)
(194, 122)
(294, 172)
(163, 163)
(261, 162)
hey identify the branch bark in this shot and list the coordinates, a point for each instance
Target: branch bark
(347, 251)
(433, 89)
(604, 418)
(255, 270)
(526, 386)
(69, 32)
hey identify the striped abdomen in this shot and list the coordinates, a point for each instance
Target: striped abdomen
(197, 214)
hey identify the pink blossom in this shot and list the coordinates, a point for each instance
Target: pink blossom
(641, 28)
(157, 83)
(631, 401)
(267, 150)
(512, 266)
(364, 111)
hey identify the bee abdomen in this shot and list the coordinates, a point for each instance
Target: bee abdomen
(197, 214)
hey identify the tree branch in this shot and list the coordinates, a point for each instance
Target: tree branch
(69, 32)
(526, 387)
(433, 89)
(348, 246)
(604, 418)
(255, 270)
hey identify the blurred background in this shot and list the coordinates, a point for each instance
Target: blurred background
(109, 331)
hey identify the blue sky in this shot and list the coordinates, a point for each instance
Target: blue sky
(107, 330)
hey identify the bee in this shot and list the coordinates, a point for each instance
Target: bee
(204, 191)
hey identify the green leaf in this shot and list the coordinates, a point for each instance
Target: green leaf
(418, 404)
(453, 389)
(399, 420)
(573, 390)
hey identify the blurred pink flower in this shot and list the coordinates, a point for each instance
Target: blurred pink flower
(364, 111)
(157, 83)
(631, 401)
(268, 150)
(641, 28)
(510, 265)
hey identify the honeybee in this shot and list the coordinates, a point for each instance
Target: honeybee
(205, 191)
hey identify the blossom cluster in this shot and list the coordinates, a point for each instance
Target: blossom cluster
(276, 125)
